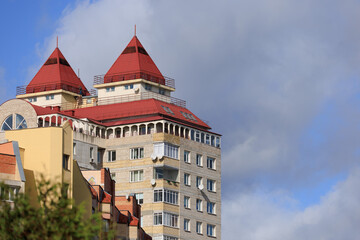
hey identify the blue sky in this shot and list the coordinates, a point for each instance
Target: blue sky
(279, 80)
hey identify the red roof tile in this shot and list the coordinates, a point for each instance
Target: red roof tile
(107, 198)
(113, 114)
(56, 73)
(134, 60)
(134, 221)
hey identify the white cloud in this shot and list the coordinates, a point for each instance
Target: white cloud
(253, 216)
(260, 72)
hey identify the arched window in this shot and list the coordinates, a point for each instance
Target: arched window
(14, 121)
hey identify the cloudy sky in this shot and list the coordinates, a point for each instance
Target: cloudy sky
(280, 80)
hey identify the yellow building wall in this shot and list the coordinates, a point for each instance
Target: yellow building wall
(42, 153)
(81, 193)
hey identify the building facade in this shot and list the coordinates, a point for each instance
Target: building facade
(156, 149)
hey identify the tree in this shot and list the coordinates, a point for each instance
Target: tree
(56, 218)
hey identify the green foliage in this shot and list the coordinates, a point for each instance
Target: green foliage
(56, 218)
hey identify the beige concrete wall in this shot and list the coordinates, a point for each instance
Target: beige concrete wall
(123, 165)
(21, 107)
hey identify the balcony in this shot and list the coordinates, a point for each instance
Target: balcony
(141, 96)
(50, 87)
(100, 79)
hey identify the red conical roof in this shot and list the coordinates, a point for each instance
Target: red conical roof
(56, 73)
(134, 62)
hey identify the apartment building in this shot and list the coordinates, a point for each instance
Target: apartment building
(156, 149)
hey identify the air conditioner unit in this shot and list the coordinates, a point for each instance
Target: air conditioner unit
(153, 182)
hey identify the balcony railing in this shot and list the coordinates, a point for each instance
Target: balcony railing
(141, 96)
(121, 99)
(49, 87)
(100, 79)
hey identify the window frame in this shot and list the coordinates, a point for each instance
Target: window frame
(199, 205)
(187, 202)
(187, 179)
(199, 160)
(140, 152)
(186, 225)
(211, 185)
(111, 155)
(137, 178)
(187, 156)
(211, 163)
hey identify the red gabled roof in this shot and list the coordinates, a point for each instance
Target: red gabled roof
(56, 73)
(128, 112)
(134, 62)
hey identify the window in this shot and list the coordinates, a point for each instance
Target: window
(33, 99)
(161, 91)
(49, 97)
(210, 230)
(210, 162)
(186, 156)
(199, 227)
(199, 205)
(186, 202)
(137, 153)
(136, 176)
(91, 153)
(66, 162)
(129, 86)
(139, 198)
(167, 196)
(110, 89)
(147, 86)
(14, 121)
(211, 185)
(187, 179)
(197, 136)
(207, 139)
(158, 218)
(74, 148)
(186, 224)
(111, 156)
(211, 207)
(198, 181)
(218, 142)
(188, 116)
(199, 160)
(159, 173)
(9, 193)
(167, 109)
(166, 149)
(167, 219)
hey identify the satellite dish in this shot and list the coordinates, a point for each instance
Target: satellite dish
(201, 187)
(136, 90)
(127, 196)
(161, 157)
(153, 157)
(153, 182)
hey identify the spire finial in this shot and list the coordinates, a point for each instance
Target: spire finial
(57, 41)
(135, 30)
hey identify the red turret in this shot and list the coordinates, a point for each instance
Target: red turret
(55, 74)
(134, 62)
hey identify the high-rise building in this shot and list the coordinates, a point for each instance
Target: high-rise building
(155, 148)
